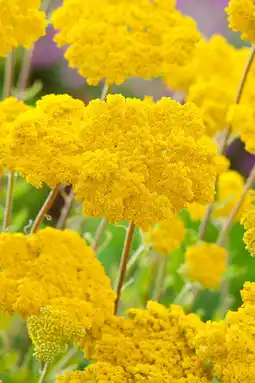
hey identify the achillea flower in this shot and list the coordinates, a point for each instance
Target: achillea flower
(53, 280)
(21, 24)
(248, 220)
(242, 119)
(43, 142)
(138, 37)
(148, 161)
(206, 263)
(229, 345)
(167, 236)
(10, 109)
(241, 17)
(230, 188)
(154, 345)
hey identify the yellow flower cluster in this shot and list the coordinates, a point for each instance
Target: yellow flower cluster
(241, 17)
(53, 280)
(21, 24)
(155, 345)
(229, 344)
(248, 220)
(206, 263)
(148, 162)
(10, 109)
(217, 80)
(230, 188)
(114, 40)
(242, 119)
(167, 236)
(42, 143)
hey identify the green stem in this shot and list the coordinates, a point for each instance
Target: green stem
(43, 373)
(8, 202)
(99, 233)
(161, 272)
(123, 263)
(8, 76)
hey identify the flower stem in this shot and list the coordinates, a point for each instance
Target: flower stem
(43, 373)
(45, 208)
(123, 263)
(8, 76)
(8, 203)
(161, 272)
(24, 73)
(99, 233)
(65, 211)
(224, 232)
(228, 131)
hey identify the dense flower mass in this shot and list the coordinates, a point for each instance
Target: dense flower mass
(53, 280)
(155, 345)
(229, 190)
(149, 160)
(42, 143)
(229, 344)
(206, 263)
(167, 236)
(114, 40)
(217, 80)
(242, 119)
(248, 220)
(10, 109)
(241, 17)
(21, 24)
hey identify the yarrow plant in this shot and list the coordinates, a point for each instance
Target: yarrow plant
(79, 301)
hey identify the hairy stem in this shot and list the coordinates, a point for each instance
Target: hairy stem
(65, 211)
(45, 208)
(123, 263)
(161, 272)
(8, 75)
(43, 373)
(8, 202)
(99, 234)
(228, 131)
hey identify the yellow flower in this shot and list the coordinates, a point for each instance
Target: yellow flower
(21, 24)
(53, 280)
(167, 235)
(242, 119)
(229, 345)
(148, 161)
(156, 344)
(44, 141)
(206, 263)
(114, 40)
(241, 17)
(222, 164)
(248, 220)
(230, 188)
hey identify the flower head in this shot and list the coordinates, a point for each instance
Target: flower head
(248, 220)
(114, 40)
(148, 161)
(53, 280)
(241, 17)
(21, 24)
(206, 263)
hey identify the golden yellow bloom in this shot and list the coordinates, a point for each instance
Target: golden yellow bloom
(10, 109)
(230, 188)
(167, 235)
(206, 263)
(241, 17)
(154, 345)
(148, 161)
(248, 220)
(229, 344)
(53, 279)
(21, 24)
(43, 141)
(242, 119)
(114, 40)
(222, 164)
